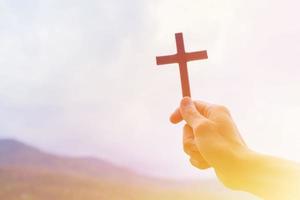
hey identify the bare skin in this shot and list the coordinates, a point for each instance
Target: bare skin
(211, 139)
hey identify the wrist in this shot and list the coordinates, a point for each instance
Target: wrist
(247, 161)
(235, 173)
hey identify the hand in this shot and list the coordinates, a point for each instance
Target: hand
(211, 138)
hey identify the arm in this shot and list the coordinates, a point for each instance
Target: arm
(269, 177)
(211, 139)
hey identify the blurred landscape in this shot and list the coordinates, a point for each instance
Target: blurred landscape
(27, 173)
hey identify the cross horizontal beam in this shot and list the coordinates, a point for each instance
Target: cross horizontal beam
(182, 57)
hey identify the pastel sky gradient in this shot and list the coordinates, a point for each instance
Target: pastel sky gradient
(79, 77)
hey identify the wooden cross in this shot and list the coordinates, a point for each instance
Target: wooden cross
(182, 58)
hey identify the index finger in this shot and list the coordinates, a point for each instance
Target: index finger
(190, 114)
(202, 107)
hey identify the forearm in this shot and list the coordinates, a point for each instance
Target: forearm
(268, 177)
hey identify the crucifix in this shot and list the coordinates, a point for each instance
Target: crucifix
(182, 58)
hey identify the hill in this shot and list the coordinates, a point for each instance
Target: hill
(15, 154)
(30, 174)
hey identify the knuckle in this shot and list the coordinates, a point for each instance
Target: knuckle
(221, 108)
(199, 164)
(185, 128)
(194, 162)
(203, 165)
(186, 147)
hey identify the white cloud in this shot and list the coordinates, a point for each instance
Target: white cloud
(80, 77)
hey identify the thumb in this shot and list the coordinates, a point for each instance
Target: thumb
(190, 113)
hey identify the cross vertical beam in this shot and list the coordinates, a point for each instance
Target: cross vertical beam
(181, 57)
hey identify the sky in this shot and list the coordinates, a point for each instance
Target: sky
(79, 77)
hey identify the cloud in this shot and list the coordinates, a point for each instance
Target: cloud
(61, 56)
(80, 77)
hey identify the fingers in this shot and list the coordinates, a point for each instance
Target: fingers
(176, 117)
(188, 140)
(190, 113)
(202, 107)
(198, 164)
(191, 149)
(187, 132)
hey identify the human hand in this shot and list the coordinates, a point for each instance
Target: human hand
(211, 138)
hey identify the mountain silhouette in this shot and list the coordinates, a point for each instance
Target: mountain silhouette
(31, 174)
(15, 154)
